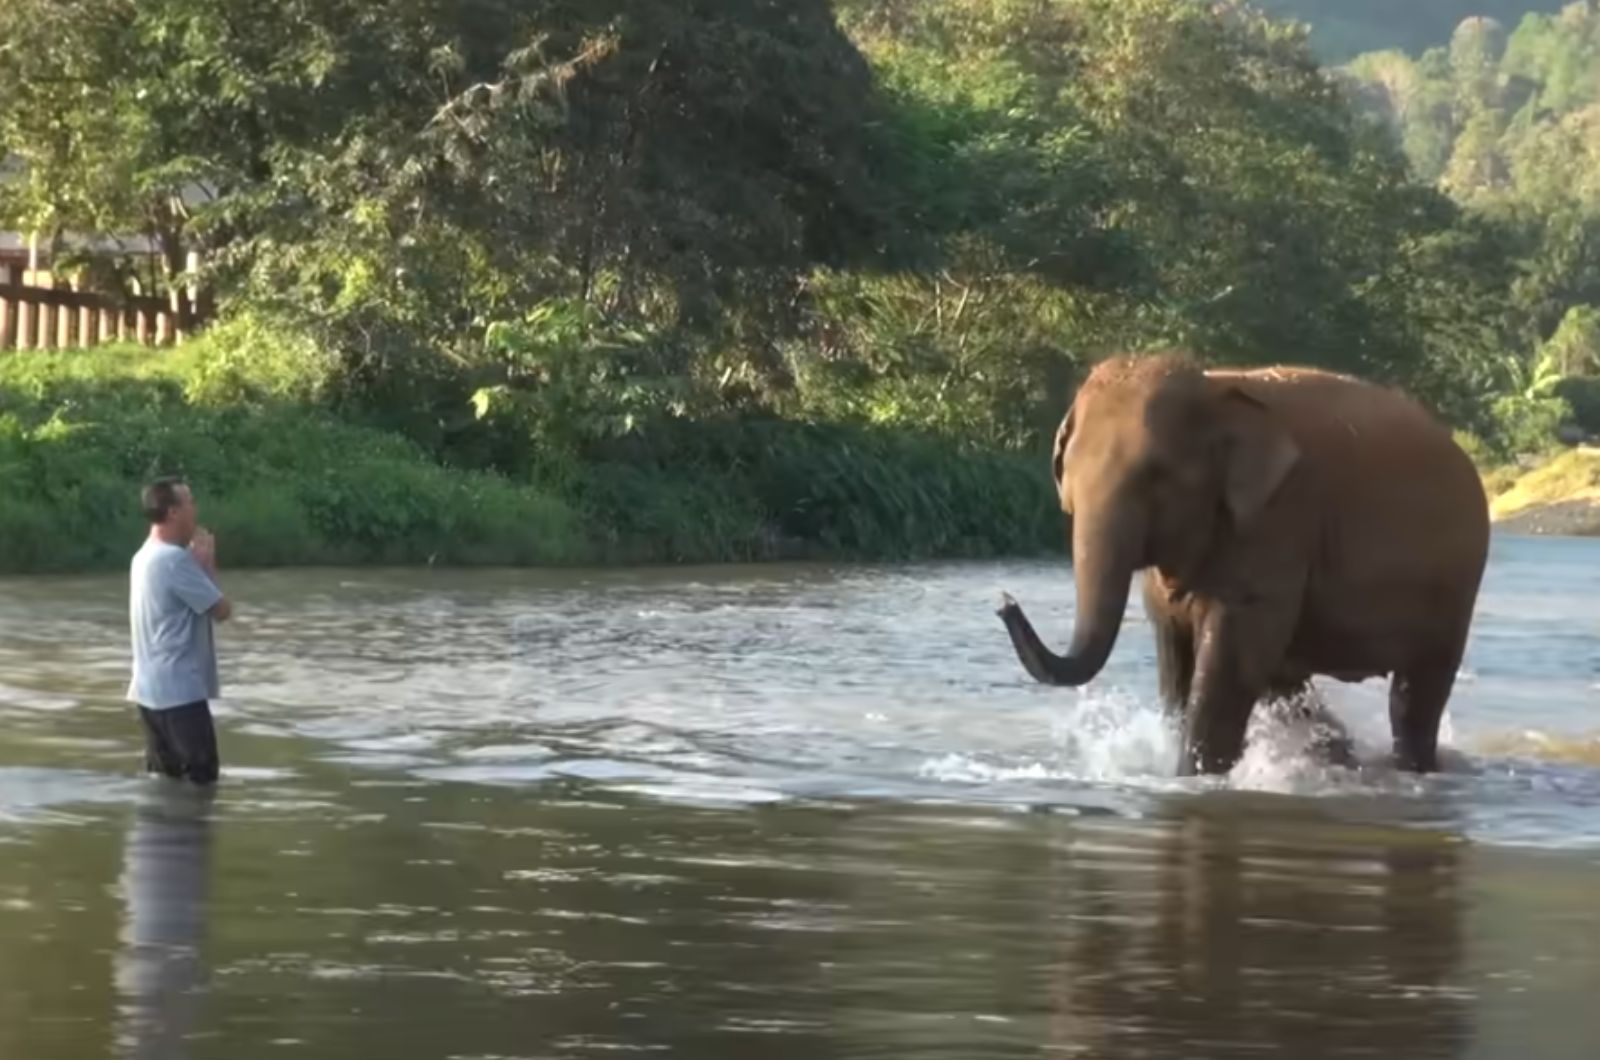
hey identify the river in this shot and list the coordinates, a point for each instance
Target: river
(789, 811)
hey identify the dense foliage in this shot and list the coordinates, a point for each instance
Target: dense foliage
(284, 482)
(1508, 123)
(653, 257)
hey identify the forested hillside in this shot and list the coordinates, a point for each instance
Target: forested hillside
(1342, 29)
(732, 278)
(1506, 120)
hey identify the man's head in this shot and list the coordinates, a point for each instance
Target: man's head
(170, 507)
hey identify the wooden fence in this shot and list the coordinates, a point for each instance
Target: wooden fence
(42, 318)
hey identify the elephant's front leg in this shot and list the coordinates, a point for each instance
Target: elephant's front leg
(1239, 648)
(1174, 645)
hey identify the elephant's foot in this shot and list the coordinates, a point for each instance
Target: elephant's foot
(1413, 760)
(1331, 742)
(1416, 703)
(1212, 745)
(1203, 762)
(1335, 749)
(1208, 752)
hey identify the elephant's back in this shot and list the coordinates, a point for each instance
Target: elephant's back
(1372, 443)
(1402, 503)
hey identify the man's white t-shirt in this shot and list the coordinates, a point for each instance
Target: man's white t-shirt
(174, 656)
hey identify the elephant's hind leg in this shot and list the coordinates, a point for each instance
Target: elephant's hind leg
(1417, 697)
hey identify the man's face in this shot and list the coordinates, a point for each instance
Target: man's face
(182, 516)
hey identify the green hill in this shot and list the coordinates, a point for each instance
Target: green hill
(1341, 29)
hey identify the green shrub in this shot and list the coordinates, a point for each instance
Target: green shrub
(1582, 395)
(252, 357)
(1526, 425)
(280, 483)
(284, 480)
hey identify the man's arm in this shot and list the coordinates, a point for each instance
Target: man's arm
(202, 592)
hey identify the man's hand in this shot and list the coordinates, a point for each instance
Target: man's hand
(204, 547)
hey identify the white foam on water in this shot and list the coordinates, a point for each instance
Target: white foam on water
(1114, 736)
(1118, 739)
(709, 791)
(1282, 755)
(957, 768)
(1104, 737)
(514, 752)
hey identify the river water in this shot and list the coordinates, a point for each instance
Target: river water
(802, 812)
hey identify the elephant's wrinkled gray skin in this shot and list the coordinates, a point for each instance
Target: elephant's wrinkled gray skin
(1289, 522)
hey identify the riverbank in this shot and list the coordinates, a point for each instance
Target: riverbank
(284, 481)
(290, 481)
(1559, 497)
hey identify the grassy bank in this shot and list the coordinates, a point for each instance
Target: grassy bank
(289, 483)
(1558, 496)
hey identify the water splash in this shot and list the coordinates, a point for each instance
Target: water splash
(1118, 739)
(1290, 752)
(1115, 737)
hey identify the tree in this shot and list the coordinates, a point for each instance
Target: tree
(1574, 350)
(401, 172)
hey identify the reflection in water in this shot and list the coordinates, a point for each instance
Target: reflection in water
(1249, 941)
(1218, 930)
(419, 923)
(159, 970)
(800, 813)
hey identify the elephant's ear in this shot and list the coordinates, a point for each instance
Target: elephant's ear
(1058, 459)
(1258, 455)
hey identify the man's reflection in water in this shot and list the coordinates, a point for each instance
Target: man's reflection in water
(166, 870)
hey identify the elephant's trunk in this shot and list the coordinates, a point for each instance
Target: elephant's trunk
(1104, 557)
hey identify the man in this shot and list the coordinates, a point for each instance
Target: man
(173, 598)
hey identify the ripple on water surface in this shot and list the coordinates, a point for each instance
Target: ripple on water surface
(813, 682)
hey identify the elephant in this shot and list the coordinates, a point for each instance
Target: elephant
(1288, 522)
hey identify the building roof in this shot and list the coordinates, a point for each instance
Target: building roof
(13, 243)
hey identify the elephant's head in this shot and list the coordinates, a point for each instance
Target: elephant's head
(1153, 460)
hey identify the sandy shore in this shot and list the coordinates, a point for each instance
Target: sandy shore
(1575, 518)
(1560, 496)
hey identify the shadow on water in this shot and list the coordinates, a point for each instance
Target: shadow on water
(160, 971)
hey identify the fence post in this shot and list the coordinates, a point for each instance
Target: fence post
(8, 309)
(175, 300)
(44, 315)
(63, 323)
(141, 320)
(192, 304)
(25, 317)
(85, 323)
